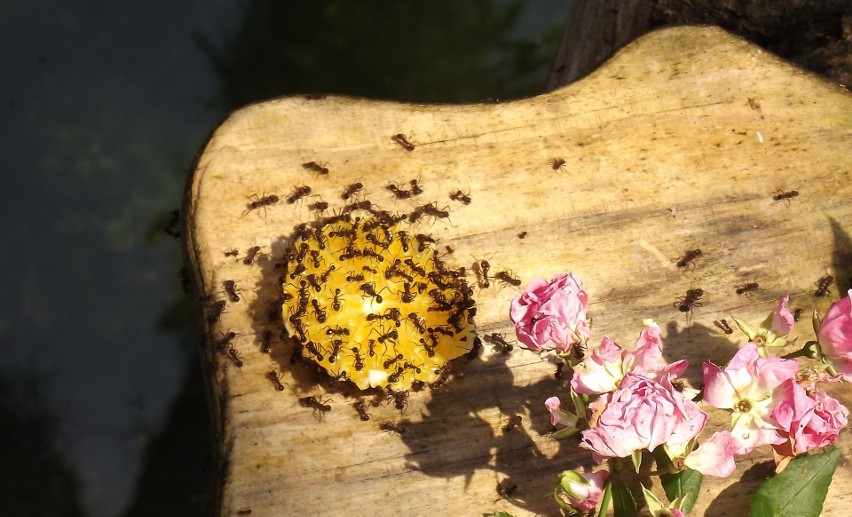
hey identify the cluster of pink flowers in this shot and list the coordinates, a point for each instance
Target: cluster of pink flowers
(633, 400)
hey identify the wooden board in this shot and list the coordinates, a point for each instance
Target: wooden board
(679, 142)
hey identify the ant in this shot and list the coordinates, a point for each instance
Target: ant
(235, 356)
(557, 164)
(319, 206)
(355, 277)
(403, 240)
(785, 196)
(418, 322)
(514, 421)
(393, 335)
(823, 285)
(225, 340)
(461, 197)
(690, 301)
(724, 326)
(747, 288)
(407, 295)
(315, 167)
(339, 331)
(685, 261)
(232, 252)
(392, 428)
(273, 376)
(262, 202)
(423, 242)
(522, 235)
(433, 210)
(231, 290)
(313, 402)
(499, 342)
(359, 359)
(400, 399)
(389, 362)
(298, 194)
(335, 301)
(251, 253)
(480, 269)
(370, 290)
(350, 190)
(320, 312)
(506, 276)
(797, 314)
(400, 139)
(415, 187)
(312, 348)
(361, 408)
(399, 193)
(216, 310)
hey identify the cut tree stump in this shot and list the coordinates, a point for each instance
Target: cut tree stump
(681, 141)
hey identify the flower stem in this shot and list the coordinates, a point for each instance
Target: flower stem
(607, 495)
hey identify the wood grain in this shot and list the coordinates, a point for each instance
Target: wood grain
(679, 142)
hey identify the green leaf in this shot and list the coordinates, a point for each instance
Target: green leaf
(622, 500)
(686, 483)
(798, 491)
(501, 514)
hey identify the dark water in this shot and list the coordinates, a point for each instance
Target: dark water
(104, 105)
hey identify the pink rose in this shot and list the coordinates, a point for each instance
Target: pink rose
(746, 386)
(810, 418)
(583, 490)
(835, 335)
(640, 414)
(714, 457)
(551, 314)
(782, 319)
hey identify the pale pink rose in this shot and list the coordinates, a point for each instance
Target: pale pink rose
(584, 490)
(601, 371)
(714, 457)
(551, 315)
(782, 319)
(640, 414)
(809, 418)
(835, 335)
(745, 386)
(557, 416)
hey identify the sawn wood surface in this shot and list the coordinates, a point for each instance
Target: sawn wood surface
(681, 141)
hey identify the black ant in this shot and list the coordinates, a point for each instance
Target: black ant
(685, 261)
(232, 252)
(724, 326)
(781, 196)
(231, 290)
(407, 295)
(481, 268)
(506, 277)
(225, 340)
(823, 285)
(415, 187)
(319, 206)
(400, 139)
(298, 194)
(747, 288)
(216, 310)
(320, 312)
(400, 399)
(350, 190)
(339, 331)
(514, 421)
(392, 428)
(370, 290)
(557, 164)
(461, 197)
(393, 335)
(499, 342)
(313, 402)
(355, 277)
(251, 253)
(262, 202)
(273, 376)
(315, 167)
(389, 362)
(359, 359)
(398, 192)
(235, 356)
(418, 322)
(432, 209)
(335, 301)
(688, 302)
(423, 241)
(336, 345)
(403, 240)
(312, 349)
(361, 408)
(298, 270)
